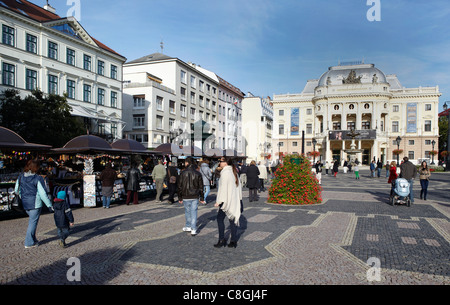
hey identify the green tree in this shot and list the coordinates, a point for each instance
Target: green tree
(39, 118)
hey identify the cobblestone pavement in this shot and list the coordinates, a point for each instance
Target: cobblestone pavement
(354, 237)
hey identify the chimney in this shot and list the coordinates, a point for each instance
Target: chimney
(49, 8)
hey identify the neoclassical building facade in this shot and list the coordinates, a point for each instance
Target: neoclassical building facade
(359, 97)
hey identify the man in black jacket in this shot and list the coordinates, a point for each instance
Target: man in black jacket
(190, 191)
(408, 171)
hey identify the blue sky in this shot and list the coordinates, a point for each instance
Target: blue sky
(274, 46)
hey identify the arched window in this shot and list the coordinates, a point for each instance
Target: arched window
(351, 107)
(366, 106)
(336, 107)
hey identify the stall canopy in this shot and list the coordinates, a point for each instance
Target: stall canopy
(130, 146)
(10, 139)
(85, 143)
(178, 150)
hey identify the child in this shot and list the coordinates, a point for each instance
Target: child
(63, 217)
(356, 169)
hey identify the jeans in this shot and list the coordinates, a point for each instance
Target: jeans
(411, 194)
(63, 233)
(206, 190)
(190, 212)
(379, 172)
(424, 185)
(30, 237)
(106, 201)
(220, 223)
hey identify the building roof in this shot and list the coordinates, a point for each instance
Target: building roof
(39, 14)
(363, 72)
(151, 58)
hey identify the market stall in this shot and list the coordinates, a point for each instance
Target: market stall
(14, 153)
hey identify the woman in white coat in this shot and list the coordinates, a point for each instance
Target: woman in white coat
(229, 199)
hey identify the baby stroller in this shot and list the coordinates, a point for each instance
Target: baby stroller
(400, 193)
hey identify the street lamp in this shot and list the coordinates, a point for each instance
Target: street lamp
(279, 145)
(314, 142)
(432, 155)
(398, 140)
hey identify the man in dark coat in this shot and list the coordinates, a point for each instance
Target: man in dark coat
(253, 181)
(172, 173)
(133, 178)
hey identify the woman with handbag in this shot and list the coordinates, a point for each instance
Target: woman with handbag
(424, 175)
(30, 187)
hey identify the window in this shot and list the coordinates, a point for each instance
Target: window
(366, 106)
(113, 72)
(52, 84)
(395, 126)
(336, 107)
(138, 101)
(427, 154)
(87, 62)
(295, 144)
(351, 107)
(71, 89)
(87, 93)
(411, 155)
(410, 142)
(159, 103)
(351, 125)
(8, 75)
(201, 85)
(309, 128)
(159, 122)
(336, 125)
(114, 130)
(31, 79)
(31, 44)
(281, 144)
(172, 107)
(139, 120)
(281, 112)
(101, 67)
(101, 96)
(183, 93)
(427, 142)
(309, 111)
(70, 54)
(183, 76)
(113, 99)
(193, 85)
(183, 110)
(281, 129)
(427, 125)
(52, 50)
(365, 125)
(192, 98)
(427, 107)
(101, 128)
(395, 108)
(8, 35)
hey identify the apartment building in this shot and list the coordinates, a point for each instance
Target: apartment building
(41, 50)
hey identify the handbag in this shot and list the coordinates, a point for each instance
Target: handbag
(16, 203)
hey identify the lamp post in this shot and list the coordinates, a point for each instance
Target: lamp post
(398, 140)
(279, 145)
(432, 156)
(448, 136)
(314, 142)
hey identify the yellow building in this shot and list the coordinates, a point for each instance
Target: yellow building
(358, 96)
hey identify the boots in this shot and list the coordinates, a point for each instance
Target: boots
(221, 243)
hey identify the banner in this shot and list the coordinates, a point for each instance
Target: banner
(411, 117)
(295, 121)
(364, 134)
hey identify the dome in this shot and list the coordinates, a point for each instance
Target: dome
(352, 74)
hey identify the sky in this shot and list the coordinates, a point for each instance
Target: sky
(269, 47)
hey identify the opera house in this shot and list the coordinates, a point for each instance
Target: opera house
(358, 97)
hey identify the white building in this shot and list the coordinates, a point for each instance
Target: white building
(164, 95)
(361, 97)
(257, 125)
(41, 50)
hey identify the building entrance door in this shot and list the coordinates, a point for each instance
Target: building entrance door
(337, 155)
(366, 157)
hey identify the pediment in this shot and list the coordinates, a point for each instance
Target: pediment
(71, 27)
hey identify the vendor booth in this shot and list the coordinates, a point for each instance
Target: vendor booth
(14, 153)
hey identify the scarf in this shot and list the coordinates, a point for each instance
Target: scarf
(230, 195)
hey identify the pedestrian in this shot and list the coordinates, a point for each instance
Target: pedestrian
(243, 175)
(172, 173)
(335, 167)
(345, 166)
(107, 176)
(217, 175)
(30, 187)
(356, 169)
(229, 202)
(424, 175)
(372, 169)
(206, 173)
(387, 166)
(327, 167)
(133, 177)
(253, 181)
(318, 166)
(262, 176)
(190, 191)
(63, 217)
(379, 167)
(392, 175)
(408, 171)
(158, 175)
